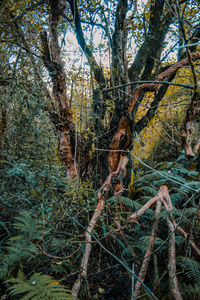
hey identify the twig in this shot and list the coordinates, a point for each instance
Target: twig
(60, 257)
(120, 228)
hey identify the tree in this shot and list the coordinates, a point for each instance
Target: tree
(122, 88)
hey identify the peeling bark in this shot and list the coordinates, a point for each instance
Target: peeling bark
(123, 137)
(187, 127)
(102, 197)
(123, 101)
(52, 61)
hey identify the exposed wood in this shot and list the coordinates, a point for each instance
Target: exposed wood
(102, 197)
(124, 130)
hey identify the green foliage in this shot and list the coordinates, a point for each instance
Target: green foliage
(190, 291)
(21, 247)
(181, 181)
(37, 203)
(190, 267)
(37, 287)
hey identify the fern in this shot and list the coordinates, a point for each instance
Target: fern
(177, 198)
(22, 246)
(27, 225)
(143, 242)
(149, 190)
(190, 267)
(193, 185)
(37, 287)
(191, 292)
(129, 203)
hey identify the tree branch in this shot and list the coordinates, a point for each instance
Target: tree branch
(152, 87)
(172, 250)
(119, 41)
(98, 73)
(150, 49)
(149, 249)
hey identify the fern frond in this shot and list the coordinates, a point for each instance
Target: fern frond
(191, 292)
(190, 267)
(189, 186)
(177, 198)
(38, 286)
(147, 189)
(127, 201)
(144, 241)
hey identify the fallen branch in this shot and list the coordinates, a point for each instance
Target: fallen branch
(149, 249)
(86, 255)
(173, 280)
(163, 195)
(102, 196)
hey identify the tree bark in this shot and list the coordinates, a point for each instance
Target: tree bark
(52, 61)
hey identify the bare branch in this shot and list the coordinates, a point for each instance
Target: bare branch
(172, 251)
(149, 249)
(88, 247)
